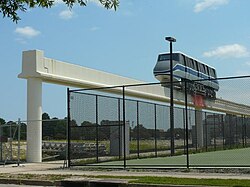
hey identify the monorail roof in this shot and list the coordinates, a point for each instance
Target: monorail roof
(189, 57)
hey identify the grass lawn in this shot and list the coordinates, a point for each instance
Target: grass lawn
(137, 179)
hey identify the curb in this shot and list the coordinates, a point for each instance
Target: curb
(30, 182)
(115, 183)
(87, 183)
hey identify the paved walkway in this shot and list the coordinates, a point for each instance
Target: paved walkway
(57, 169)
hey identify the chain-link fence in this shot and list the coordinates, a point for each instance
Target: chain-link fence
(13, 141)
(12, 134)
(121, 126)
(54, 139)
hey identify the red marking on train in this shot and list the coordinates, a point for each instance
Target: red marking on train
(198, 100)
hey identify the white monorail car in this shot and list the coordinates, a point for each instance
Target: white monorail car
(202, 76)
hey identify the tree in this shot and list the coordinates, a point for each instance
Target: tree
(2, 121)
(45, 116)
(9, 8)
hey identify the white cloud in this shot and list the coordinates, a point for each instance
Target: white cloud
(127, 13)
(242, 73)
(97, 2)
(209, 4)
(21, 41)
(59, 2)
(94, 28)
(227, 51)
(66, 14)
(27, 32)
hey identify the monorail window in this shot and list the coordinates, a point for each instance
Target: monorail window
(213, 74)
(202, 68)
(190, 63)
(196, 65)
(207, 68)
(183, 60)
(164, 57)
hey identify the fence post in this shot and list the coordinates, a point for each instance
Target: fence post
(230, 131)
(206, 131)
(138, 130)
(214, 133)
(243, 130)
(69, 128)
(155, 129)
(97, 130)
(1, 143)
(18, 134)
(186, 110)
(124, 124)
(223, 130)
(245, 124)
(119, 128)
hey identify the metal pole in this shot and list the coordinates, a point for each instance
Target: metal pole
(155, 129)
(206, 130)
(243, 131)
(137, 130)
(18, 149)
(10, 142)
(245, 127)
(69, 128)
(124, 123)
(230, 131)
(236, 132)
(97, 130)
(214, 134)
(186, 111)
(1, 143)
(223, 131)
(184, 127)
(171, 40)
(119, 128)
(171, 100)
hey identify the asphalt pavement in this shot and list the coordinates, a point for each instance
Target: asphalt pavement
(57, 168)
(80, 173)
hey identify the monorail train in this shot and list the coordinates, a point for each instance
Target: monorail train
(202, 77)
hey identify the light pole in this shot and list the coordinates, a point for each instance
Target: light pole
(171, 40)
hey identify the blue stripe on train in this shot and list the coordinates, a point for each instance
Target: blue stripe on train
(189, 70)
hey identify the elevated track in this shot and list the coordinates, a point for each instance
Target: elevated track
(37, 68)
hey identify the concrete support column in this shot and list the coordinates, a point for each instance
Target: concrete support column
(199, 128)
(34, 117)
(117, 140)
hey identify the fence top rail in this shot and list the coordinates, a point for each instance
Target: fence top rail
(157, 83)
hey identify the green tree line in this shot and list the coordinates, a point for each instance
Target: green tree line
(52, 129)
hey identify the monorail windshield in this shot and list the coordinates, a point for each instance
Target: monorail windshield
(164, 57)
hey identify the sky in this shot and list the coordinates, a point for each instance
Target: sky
(125, 42)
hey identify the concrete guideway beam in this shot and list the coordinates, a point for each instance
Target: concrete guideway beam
(37, 69)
